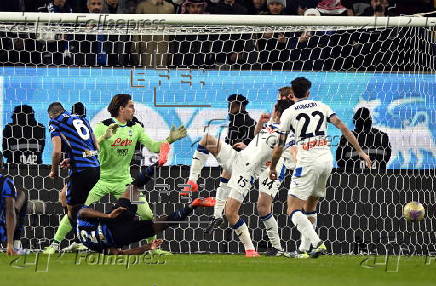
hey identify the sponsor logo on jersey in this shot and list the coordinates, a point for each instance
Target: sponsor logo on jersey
(89, 153)
(122, 152)
(307, 105)
(122, 142)
(315, 143)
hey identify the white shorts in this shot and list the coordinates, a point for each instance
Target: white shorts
(310, 180)
(268, 186)
(242, 178)
(226, 156)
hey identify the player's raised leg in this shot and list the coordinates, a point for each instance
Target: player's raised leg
(124, 229)
(208, 144)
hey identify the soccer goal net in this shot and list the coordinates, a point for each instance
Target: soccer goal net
(377, 74)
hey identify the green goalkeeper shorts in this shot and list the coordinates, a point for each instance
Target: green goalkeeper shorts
(103, 188)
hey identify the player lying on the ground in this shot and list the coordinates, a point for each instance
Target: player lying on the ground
(13, 204)
(109, 232)
(308, 121)
(234, 162)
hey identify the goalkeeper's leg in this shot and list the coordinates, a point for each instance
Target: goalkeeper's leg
(98, 191)
(143, 208)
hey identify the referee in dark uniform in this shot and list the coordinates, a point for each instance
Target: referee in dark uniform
(240, 133)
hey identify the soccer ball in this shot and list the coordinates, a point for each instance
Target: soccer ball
(414, 211)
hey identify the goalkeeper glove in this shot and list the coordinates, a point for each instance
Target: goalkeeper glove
(111, 130)
(163, 154)
(176, 134)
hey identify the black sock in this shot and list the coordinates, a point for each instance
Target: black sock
(21, 215)
(73, 222)
(180, 214)
(144, 176)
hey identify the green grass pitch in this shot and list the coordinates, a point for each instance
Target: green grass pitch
(210, 270)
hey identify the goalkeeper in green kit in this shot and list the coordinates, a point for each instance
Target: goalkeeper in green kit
(117, 137)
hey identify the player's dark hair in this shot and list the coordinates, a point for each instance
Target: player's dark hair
(238, 98)
(362, 119)
(283, 104)
(285, 92)
(79, 109)
(300, 86)
(55, 108)
(117, 101)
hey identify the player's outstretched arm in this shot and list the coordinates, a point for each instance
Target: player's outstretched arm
(176, 134)
(351, 138)
(264, 118)
(10, 224)
(55, 157)
(91, 213)
(155, 146)
(137, 250)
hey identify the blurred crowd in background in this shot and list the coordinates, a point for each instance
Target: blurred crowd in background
(243, 7)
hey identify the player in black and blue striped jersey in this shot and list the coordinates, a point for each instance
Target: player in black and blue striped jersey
(75, 134)
(13, 206)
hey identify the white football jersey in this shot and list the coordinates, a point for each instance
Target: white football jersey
(307, 121)
(259, 151)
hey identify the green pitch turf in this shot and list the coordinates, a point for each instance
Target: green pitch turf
(210, 270)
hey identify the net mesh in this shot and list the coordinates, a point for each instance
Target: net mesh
(183, 75)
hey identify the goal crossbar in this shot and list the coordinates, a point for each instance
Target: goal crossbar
(239, 20)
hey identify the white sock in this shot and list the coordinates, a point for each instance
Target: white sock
(241, 230)
(305, 242)
(222, 193)
(305, 227)
(197, 164)
(272, 230)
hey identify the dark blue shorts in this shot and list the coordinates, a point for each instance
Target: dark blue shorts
(3, 235)
(80, 184)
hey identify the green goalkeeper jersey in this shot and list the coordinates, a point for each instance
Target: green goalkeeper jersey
(116, 152)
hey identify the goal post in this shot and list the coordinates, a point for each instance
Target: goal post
(180, 69)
